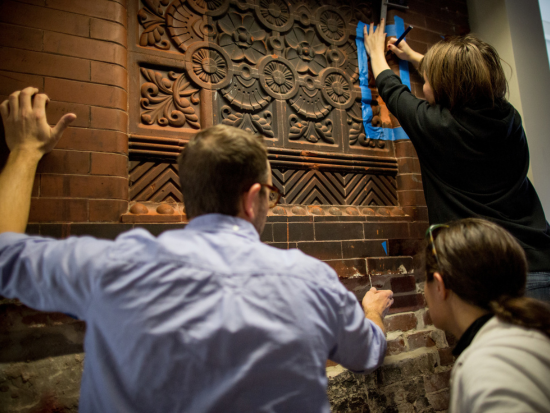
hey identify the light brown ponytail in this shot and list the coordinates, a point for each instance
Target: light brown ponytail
(524, 312)
(485, 266)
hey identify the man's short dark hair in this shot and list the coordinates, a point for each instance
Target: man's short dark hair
(217, 166)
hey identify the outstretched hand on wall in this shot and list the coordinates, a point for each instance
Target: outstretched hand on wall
(28, 137)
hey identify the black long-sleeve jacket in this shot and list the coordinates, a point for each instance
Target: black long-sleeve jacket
(474, 163)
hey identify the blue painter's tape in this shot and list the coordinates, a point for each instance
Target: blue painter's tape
(377, 132)
(384, 245)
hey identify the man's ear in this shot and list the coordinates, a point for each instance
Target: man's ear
(440, 288)
(249, 200)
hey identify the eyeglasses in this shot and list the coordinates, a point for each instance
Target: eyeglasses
(274, 195)
(430, 231)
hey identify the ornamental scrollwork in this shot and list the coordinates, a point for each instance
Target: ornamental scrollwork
(258, 123)
(168, 101)
(311, 131)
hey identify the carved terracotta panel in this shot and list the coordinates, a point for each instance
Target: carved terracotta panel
(287, 70)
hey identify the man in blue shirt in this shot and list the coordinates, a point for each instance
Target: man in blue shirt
(204, 319)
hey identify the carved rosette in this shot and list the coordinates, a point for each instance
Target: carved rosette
(209, 66)
(275, 14)
(242, 38)
(331, 26)
(278, 77)
(337, 88)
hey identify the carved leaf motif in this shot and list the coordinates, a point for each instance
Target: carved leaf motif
(262, 123)
(324, 129)
(297, 127)
(153, 30)
(165, 102)
(259, 123)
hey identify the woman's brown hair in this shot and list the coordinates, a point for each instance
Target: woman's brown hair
(464, 70)
(485, 266)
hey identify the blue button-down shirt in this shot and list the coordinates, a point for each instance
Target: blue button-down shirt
(204, 319)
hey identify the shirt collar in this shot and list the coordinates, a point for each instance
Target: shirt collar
(466, 338)
(223, 223)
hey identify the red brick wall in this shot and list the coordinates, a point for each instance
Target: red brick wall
(76, 52)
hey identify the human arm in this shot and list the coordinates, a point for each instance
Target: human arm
(28, 137)
(405, 52)
(361, 341)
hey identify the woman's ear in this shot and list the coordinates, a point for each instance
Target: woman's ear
(440, 288)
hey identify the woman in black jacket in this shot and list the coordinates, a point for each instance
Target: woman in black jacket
(470, 141)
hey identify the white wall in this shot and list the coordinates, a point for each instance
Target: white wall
(545, 14)
(514, 27)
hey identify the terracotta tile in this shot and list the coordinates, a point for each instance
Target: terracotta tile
(349, 268)
(389, 265)
(280, 232)
(21, 37)
(405, 149)
(58, 210)
(93, 140)
(102, 210)
(109, 164)
(408, 165)
(103, 118)
(85, 48)
(405, 247)
(12, 81)
(108, 10)
(411, 198)
(403, 284)
(361, 249)
(418, 229)
(44, 18)
(86, 93)
(386, 230)
(65, 162)
(109, 74)
(78, 186)
(38, 63)
(56, 110)
(300, 231)
(325, 231)
(106, 30)
(322, 250)
(409, 181)
(267, 233)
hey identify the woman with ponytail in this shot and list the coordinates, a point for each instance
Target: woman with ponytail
(475, 284)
